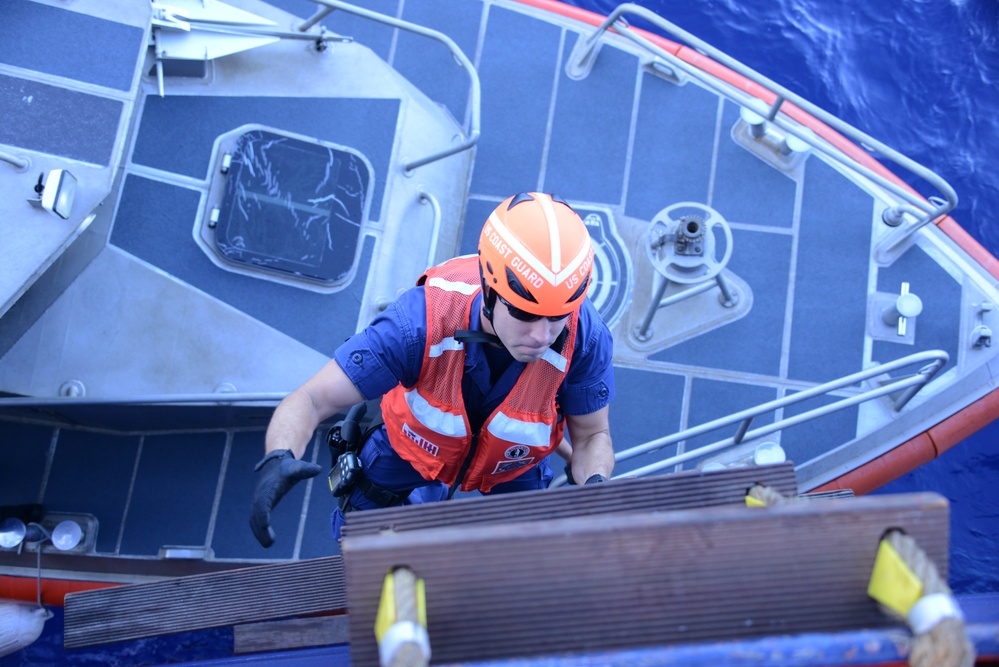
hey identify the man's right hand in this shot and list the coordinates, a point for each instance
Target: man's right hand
(279, 471)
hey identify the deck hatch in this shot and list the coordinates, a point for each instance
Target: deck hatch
(293, 206)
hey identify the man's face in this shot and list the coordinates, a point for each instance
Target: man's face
(526, 341)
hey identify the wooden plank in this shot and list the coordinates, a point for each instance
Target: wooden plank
(632, 580)
(204, 601)
(677, 491)
(291, 634)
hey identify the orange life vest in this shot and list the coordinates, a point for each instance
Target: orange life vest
(427, 424)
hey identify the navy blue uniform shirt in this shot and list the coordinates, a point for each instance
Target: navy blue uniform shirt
(390, 350)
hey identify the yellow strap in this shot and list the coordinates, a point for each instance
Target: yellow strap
(387, 612)
(893, 583)
(386, 607)
(754, 502)
(421, 603)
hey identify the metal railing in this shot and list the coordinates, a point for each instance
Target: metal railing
(473, 129)
(20, 163)
(924, 210)
(216, 398)
(435, 228)
(907, 387)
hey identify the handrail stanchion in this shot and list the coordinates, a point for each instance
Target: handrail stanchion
(927, 372)
(321, 13)
(775, 107)
(426, 197)
(741, 433)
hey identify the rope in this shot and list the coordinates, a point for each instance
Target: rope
(910, 588)
(764, 495)
(409, 654)
(401, 624)
(946, 643)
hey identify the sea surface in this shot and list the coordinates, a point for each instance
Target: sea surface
(920, 76)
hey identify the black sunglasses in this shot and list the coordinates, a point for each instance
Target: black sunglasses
(524, 316)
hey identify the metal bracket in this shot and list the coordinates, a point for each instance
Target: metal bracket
(981, 335)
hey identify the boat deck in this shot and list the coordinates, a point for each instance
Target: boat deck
(161, 317)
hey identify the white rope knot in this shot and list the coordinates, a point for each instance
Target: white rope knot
(930, 610)
(399, 634)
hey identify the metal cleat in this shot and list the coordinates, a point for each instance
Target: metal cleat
(907, 306)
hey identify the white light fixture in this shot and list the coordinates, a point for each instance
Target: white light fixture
(14, 532)
(55, 192)
(67, 535)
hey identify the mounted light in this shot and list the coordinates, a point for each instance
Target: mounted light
(56, 191)
(12, 533)
(64, 537)
(67, 535)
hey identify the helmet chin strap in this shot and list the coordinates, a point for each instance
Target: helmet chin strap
(486, 309)
(469, 336)
(488, 298)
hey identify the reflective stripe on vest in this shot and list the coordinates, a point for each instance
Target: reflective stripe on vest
(453, 286)
(535, 434)
(446, 345)
(555, 359)
(436, 420)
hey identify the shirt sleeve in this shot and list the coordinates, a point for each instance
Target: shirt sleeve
(388, 351)
(589, 385)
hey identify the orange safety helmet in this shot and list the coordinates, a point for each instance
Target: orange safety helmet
(535, 253)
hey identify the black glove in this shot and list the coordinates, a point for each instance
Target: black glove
(279, 471)
(592, 479)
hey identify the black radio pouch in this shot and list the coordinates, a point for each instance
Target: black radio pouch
(345, 440)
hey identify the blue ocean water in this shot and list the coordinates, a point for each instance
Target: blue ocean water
(920, 76)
